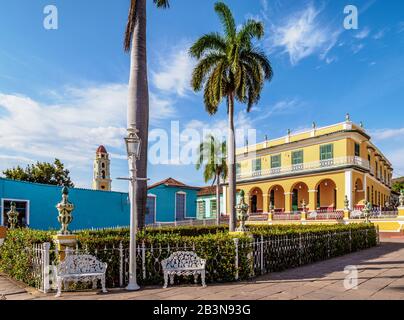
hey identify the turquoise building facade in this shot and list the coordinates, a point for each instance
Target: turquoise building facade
(171, 200)
(168, 201)
(207, 203)
(36, 204)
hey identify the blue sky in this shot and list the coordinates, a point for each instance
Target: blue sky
(63, 92)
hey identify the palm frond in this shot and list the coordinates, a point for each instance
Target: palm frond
(203, 69)
(251, 29)
(130, 25)
(227, 19)
(162, 3)
(208, 42)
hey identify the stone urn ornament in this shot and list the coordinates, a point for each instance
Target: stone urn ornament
(346, 203)
(304, 205)
(12, 216)
(242, 215)
(401, 198)
(65, 209)
(366, 211)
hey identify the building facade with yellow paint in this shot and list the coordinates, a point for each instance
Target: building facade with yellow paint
(316, 168)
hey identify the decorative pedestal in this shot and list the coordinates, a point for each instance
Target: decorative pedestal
(62, 242)
(270, 217)
(400, 213)
(347, 216)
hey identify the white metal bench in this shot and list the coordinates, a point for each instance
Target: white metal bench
(80, 268)
(183, 263)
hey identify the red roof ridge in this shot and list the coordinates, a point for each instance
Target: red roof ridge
(101, 149)
(171, 182)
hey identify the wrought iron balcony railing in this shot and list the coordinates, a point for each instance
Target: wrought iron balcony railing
(306, 167)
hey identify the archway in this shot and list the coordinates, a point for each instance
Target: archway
(300, 193)
(326, 195)
(256, 201)
(359, 196)
(277, 198)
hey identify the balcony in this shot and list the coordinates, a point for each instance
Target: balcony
(334, 163)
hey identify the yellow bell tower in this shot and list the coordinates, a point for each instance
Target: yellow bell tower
(102, 180)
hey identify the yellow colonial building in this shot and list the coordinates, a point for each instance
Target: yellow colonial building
(317, 168)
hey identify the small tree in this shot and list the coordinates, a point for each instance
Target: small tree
(212, 154)
(42, 172)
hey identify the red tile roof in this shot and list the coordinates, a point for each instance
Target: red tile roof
(207, 191)
(170, 182)
(101, 149)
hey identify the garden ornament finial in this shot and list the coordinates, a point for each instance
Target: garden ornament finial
(12, 216)
(346, 203)
(242, 214)
(65, 209)
(401, 198)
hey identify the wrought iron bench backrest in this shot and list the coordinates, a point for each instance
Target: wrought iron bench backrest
(183, 259)
(79, 264)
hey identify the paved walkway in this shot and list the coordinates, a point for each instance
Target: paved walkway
(380, 276)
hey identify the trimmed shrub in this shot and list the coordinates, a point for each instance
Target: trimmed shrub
(16, 254)
(284, 246)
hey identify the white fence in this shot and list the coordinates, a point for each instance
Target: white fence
(263, 256)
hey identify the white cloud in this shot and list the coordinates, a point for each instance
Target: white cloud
(175, 72)
(286, 106)
(384, 134)
(303, 35)
(357, 47)
(364, 33)
(70, 128)
(401, 27)
(380, 34)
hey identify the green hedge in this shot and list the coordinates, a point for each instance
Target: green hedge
(188, 231)
(16, 253)
(289, 246)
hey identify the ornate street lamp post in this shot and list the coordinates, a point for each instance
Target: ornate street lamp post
(133, 143)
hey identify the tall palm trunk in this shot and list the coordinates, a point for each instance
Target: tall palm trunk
(218, 198)
(138, 105)
(231, 164)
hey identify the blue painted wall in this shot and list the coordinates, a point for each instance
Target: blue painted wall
(165, 202)
(96, 209)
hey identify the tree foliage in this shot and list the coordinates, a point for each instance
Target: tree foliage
(212, 155)
(398, 186)
(229, 65)
(42, 172)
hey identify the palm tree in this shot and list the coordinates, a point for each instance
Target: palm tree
(138, 97)
(230, 67)
(212, 154)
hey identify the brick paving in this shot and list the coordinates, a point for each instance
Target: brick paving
(380, 276)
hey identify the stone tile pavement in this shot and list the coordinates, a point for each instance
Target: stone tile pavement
(380, 276)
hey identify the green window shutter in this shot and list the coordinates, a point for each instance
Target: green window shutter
(213, 207)
(327, 152)
(297, 157)
(256, 165)
(201, 208)
(357, 150)
(276, 161)
(238, 168)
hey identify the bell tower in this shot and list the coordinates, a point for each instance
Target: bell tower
(101, 175)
